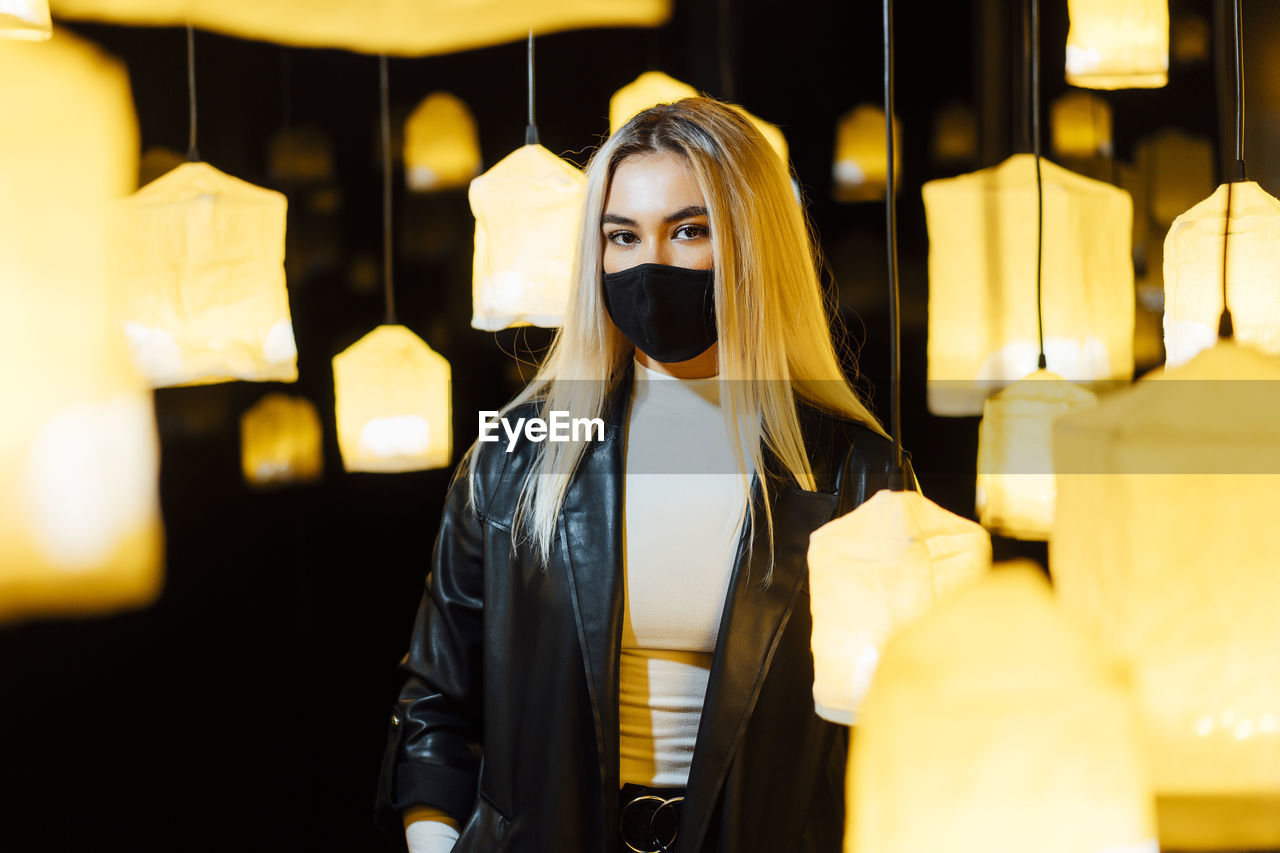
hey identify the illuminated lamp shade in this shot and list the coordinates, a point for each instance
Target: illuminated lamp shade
(653, 87)
(1015, 491)
(1081, 126)
(199, 269)
(955, 135)
(25, 20)
(392, 403)
(1165, 539)
(79, 459)
(1193, 273)
(982, 281)
(1118, 44)
(441, 149)
(860, 169)
(528, 211)
(281, 441)
(1178, 171)
(998, 725)
(300, 155)
(400, 27)
(873, 571)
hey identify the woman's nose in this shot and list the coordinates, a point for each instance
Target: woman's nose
(655, 252)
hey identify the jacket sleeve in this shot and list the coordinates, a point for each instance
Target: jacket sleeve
(867, 468)
(435, 736)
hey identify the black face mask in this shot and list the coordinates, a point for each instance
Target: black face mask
(669, 313)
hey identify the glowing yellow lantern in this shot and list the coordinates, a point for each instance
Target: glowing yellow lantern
(403, 27)
(79, 511)
(1118, 44)
(199, 269)
(441, 149)
(1193, 272)
(1081, 124)
(997, 725)
(982, 281)
(281, 441)
(1015, 492)
(528, 211)
(299, 155)
(25, 20)
(1178, 170)
(392, 403)
(955, 135)
(1165, 539)
(872, 572)
(861, 169)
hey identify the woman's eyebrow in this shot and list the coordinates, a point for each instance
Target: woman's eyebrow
(615, 219)
(686, 213)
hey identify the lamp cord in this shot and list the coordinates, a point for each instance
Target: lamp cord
(902, 477)
(1226, 328)
(1034, 56)
(193, 153)
(531, 130)
(387, 282)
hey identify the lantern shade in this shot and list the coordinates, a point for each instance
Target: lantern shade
(1164, 539)
(528, 211)
(281, 441)
(300, 155)
(25, 20)
(1118, 44)
(955, 135)
(441, 149)
(996, 724)
(1015, 490)
(199, 270)
(1178, 171)
(861, 163)
(392, 403)
(870, 573)
(1081, 126)
(403, 27)
(79, 510)
(982, 281)
(1193, 272)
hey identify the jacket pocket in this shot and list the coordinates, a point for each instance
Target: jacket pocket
(485, 831)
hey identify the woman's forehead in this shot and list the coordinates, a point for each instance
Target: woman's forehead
(653, 183)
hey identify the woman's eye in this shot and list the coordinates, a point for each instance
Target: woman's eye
(692, 232)
(621, 238)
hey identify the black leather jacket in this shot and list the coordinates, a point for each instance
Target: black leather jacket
(508, 718)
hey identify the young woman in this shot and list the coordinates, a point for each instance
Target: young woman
(613, 650)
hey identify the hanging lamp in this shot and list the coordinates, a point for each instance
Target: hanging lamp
(955, 135)
(858, 173)
(80, 528)
(300, 156)
(1178, 171)
(1118, 44)
(391, 390)
(281, 441)
(1081, 126)
(441, 148)
(25, 20)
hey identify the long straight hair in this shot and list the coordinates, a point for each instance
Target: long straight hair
(773, 331)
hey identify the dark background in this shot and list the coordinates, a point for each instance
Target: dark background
(247, 708)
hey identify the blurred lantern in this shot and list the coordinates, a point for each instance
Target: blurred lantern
(1165, 539)
(300, 155)
(441, 149)
(392, 403)
(861, 162)
(982, 281)
(955, 135)
(873, 571)
(281, 441)
(400, 27)
(1193, 270)
(528, 211)
(997, 725)
(79, 511)
(1189, 38)
(199, 268)
(1118, 44)
(1178, 171)
(1081, 126)
(653, 87)
(25, 20)
(1015, 492)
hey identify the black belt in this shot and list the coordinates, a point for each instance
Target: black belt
(649, 817)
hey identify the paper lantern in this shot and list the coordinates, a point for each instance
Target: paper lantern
(199, 270)
(997, 725)
(861, 169)
(281, 441)
(1118, 44)
(79, 511)
(441, 149)
(1193, 272)
(1015, 491)
(873, 571)
(955, 135)
(982, 281)
(392, 403)
(1081, 126)
(653, 87)
(1165, 539)
(528, 211)
(403, 27)
(1178, 171)
(300, 155)
(25, 20)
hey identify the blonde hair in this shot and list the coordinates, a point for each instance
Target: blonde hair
(772, 325)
